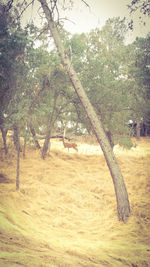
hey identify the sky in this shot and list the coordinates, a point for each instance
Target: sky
(82, 18)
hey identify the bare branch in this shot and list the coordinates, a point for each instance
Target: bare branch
(85, 3)
(9, 5)
(42, 31)
(24, 9)
(61, 19)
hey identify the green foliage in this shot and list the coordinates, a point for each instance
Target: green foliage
(124, 141)
(102, 72)
(35, 88)
(139, 78)
(14, 72)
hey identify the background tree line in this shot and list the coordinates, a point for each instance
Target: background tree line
(37, 96)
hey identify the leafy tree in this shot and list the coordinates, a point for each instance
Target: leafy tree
(99, 59)
(139, 81)
(13, 108)
(54, 88)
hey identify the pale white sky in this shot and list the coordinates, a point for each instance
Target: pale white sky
(84, 19)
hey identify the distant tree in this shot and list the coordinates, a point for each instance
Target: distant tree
(139, 81)
(55, 102)
(99, 59)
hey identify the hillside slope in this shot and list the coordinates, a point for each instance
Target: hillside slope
(65, 212)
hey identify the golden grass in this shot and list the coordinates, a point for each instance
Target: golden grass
(65, 212)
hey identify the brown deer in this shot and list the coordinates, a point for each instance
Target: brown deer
(70, 145)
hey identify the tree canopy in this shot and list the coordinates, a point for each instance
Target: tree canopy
(34, 85)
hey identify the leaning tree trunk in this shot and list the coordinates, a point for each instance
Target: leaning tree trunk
(119, 185)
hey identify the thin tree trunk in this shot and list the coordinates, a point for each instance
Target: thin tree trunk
(16, 137)
(17, 145)
(119, 185)
(24, 146)
(34, 136)
(51, 121)
(18, 168)
(4, 134)
(138, 128)
(46, 144)
(109, 135)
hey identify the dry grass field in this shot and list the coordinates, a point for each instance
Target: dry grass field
(65, 212)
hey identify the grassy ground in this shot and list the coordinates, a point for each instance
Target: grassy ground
(65, 212)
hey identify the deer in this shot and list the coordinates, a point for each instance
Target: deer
(70, 145)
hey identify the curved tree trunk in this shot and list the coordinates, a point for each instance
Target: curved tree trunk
(119, 185)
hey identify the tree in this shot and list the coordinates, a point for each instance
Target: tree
(5, 65)
(139, 81)
(17, 144)
(143, 6)
(99, 59)
(13, 76)
(119, 185)
(54, 94)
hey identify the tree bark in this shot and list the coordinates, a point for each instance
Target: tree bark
(16, 137)
(138, 128)
(18, 168)
(46, 143)
(109, 135)
(4, 134)
(17, 145)
(24, 147)
(123, 206)
(34, 136)
(50, 124)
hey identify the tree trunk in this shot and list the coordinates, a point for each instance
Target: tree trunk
(17, 145)
(24, 146)
(46, 144)
(37, 145)
(109, 135)
(119, 185)
(4, 134)
(138, 128)
(16, 137)
(18, 168)
(50, 124)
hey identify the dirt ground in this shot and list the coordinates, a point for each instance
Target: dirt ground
(65, 211)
